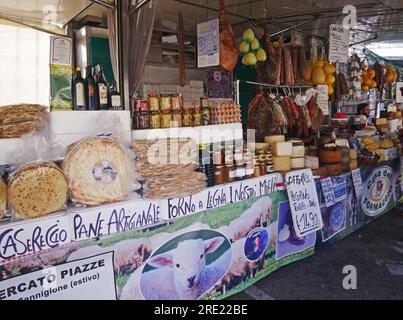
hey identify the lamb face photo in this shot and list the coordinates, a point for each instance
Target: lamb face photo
(187, 266)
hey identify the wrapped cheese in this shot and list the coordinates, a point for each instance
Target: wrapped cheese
(298, 151)
(311, 162)
(273, 139)
(282, 149)
(282, 163)
(297, 163)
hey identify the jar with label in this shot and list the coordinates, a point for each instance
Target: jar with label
(240, 171)
(238, 156)
(250, 170)
(141, 105)
(269, 163)
(263, 168)
(176, 103)
(257, 170)
(165, 103)
(230, 173)
(143, 120)
(197, 108)
(206, 113)
(166, 118)
(204, 102)
(155, 122)
(197, 119)
(177, 119)
(153, 103)
(188, 118)
(228, 157)
(219, 175)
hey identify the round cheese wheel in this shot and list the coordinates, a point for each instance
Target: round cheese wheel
(345, 160)
(3, 198)
(334, 169)
(330, 156)
(99, 171)
(36, 190)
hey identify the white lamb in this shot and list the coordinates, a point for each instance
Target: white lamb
(181, 273)
(263, 207)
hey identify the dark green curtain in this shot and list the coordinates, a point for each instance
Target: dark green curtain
(99, 54)
(247, 91)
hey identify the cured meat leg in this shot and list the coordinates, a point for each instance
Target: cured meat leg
(181, 38)
(228, 46)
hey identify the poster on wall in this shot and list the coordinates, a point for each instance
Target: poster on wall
(219, 84)
(209, 255)
(208, 44)
(61, 50)
(91, 278)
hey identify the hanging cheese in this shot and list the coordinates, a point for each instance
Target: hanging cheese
(282, 163)
(353, 154)
(282, 149)
(311, 162)
(298, 151)
(273, 139)
(297, 163)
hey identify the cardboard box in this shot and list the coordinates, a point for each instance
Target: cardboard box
(146, 89)
(168, 89)
(185, 91)
(196, 84)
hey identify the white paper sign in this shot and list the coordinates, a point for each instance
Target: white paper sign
(208, 44)
(61, 51)
(323, 98)
(28, 237)
(357, 181)
(116, 218)
(87, 279)
(328, 191)
(399, 92)
(339, 38)
(304, 202)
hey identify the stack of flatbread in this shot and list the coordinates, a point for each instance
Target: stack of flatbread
(3, 198)
(36, 190)
(99, 171)
(168, 168)
(18, 120)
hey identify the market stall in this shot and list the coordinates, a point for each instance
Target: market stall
(153, 181)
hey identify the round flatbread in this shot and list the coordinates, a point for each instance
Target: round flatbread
(99, 171)
(3, 198)
(36, 190)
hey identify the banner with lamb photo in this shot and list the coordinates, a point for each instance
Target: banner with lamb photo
(210, 255)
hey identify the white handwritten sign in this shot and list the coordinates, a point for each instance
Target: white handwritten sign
(357, 181)
(61, 51)
(28, 237)
(323, 98)
(339, 37)
(304, 202)
(116, 218)
(88, 279)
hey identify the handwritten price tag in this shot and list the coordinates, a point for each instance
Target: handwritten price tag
(357, 181)
(328, 192)
(304, 202)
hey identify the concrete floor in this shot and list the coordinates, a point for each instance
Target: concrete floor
(375, 250)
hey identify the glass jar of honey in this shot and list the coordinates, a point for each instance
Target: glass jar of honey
(177, 119)
(153, 103)
(188, 118)
(219, 174)
(155, 121)
(166, 118)
(197, 119)
(176, 103)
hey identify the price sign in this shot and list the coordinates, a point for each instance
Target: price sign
(357, 181)
(323, 99)
(328, 192)
(304, 202)
(339, 37)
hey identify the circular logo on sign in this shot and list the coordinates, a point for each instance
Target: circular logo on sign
(256, 244)
(337, 215)
(378, 191)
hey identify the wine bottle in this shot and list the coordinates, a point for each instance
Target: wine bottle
(78, 91)
(90, 90)
(115, 102)
(102, 88)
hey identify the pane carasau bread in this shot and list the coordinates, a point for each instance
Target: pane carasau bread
(36, 190)
(98, 171)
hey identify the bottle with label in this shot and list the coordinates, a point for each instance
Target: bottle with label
(102, 88)
(90, 90)
(115, 101)
(78, 91)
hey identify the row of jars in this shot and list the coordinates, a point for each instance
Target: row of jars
(237, 165)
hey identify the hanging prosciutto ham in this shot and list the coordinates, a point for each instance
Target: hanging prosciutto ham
(228, 46)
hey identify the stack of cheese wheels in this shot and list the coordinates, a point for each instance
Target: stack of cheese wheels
(3, 198)
(99, 171)
(331, 158)
(37, 189)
